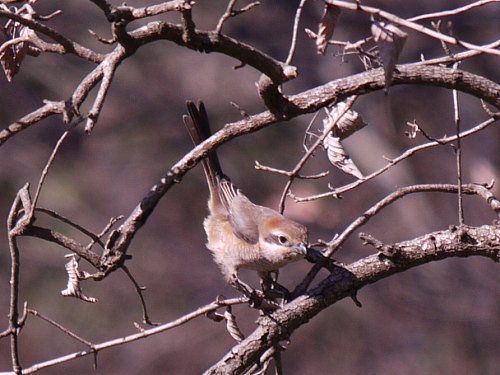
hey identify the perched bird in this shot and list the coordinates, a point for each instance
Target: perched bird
(240, 233)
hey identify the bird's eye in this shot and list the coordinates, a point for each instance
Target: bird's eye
(283, 240)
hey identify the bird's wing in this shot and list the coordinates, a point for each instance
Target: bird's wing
(240, 212)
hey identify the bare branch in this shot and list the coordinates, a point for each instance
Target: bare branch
(458, 151)
(204, 41)
(66, 242)
(394, 161)
(48, 109)
(139, 289)
(46, 170)
(137, 336)
(338, 240)
(68, 46)
(298, 13)
(231, 12)
(452, 12)
(60, 327)
(412, 25)
(156, 9)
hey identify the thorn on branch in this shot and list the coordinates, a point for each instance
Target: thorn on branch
(354, 298)
(243, 113)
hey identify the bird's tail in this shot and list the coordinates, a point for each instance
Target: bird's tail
(198, 128)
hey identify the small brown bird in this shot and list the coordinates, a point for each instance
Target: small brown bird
(242, 234)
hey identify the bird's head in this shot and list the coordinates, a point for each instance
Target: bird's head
(282, 240)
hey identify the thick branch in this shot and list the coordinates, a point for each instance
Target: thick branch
(372, 80)
(343, 282)
(207, 42)
(62, 240)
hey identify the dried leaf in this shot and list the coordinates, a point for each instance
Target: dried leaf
(414, 130)
(7, 55)
(339, 158)
(390, 40)
(73, 288)
(350, 122)
(231, 325)
(215, 316)
(18, 37)
(326, 27)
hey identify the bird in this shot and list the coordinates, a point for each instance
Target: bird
(241, 234)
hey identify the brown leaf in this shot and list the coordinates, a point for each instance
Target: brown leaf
(346, 125)
(339, 157)
(326, 27)
(390, 40)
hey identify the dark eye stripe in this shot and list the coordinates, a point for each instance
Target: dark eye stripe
(275, 238)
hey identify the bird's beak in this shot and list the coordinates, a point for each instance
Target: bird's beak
(301, 249)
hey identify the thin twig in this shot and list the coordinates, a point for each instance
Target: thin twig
(310, 152)
(227, 14)
(471, 189)
(457, 56)
(137, 336)
(283, 172)
(106, 229)
(458, 151)
(395, 161)
(48, 164)
(68, 45)
(452, 12)
(49, 108)
(411, 25)
(139, 289)
(295, 32)
(109, 71)
(231, 12)
(95, 238)
(60, 327)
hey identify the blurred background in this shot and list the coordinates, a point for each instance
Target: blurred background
(438, 318)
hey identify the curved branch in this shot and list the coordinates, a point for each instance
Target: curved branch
(48, 109)
(60, 239)
(345, 281)
(478, 86)
(205, 41)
